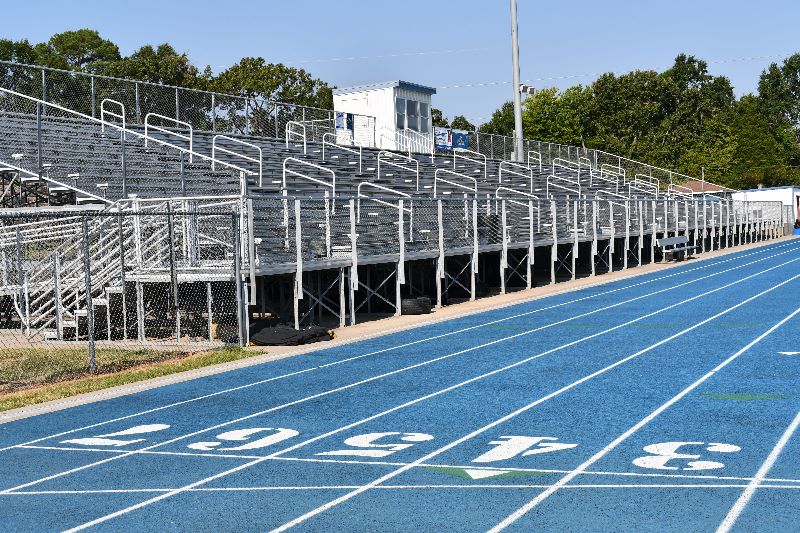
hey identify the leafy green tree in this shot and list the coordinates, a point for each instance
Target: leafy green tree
(550, 116)
(83, 50)
(460, 122)
(261, 83)
(502, 121)
(438, 119)
(714, 153)
(17, 51)
(158, 65)
(779, 91)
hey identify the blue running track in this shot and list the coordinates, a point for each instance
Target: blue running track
(663, 402)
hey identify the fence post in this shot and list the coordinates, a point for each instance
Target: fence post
(213, 112)
(94, 98)
(44, 86)
(39, 112)
(125, 164)
(237, 275)
(88, 287)
(173, 275)
(177, 104)
(298, 276)
(138, 106)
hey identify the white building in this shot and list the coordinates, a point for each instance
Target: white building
(789, 196)
(401, 114)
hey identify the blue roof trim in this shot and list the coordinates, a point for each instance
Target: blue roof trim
(771, 188)
(386, 85)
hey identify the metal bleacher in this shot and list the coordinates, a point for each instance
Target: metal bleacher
(127, 205)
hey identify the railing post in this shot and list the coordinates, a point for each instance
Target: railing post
(237, 275)
(138, 106)
(213, 112)
(94, 98)
(173, 274)
(39, 111)
(177, 104)
(125, 164)
(88, 287)
(44, 86)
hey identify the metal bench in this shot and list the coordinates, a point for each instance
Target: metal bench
(675, 246)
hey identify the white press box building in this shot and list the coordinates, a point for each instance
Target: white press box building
(789, 196)
(393, 115)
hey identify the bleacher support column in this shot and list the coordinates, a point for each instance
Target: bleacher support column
(57, 293)
(353, 261)
(529, 262)
(554, 248)
(474, 260)
(627, 235)
(87, 269)
(298, 275)
(654, 232)
(504, 249)
(696, 226)
(611, 238)
(641, 232)
(686, 218)
(173, 275)
(400, 276)
(139, 311)
(209, 311)
(342, 305)
(440, 260)
(594, 236)
(575, 237)
(666, 218)
(713, 228)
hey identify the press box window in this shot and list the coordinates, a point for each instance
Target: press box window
(424, 117)
(412, 114)
(400, 113)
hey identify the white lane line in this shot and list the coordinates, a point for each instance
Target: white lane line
(516, 515)
(449, 446)
(711, 264)
(422, 465)
(417, 365)
(407, 487)
(750, 490)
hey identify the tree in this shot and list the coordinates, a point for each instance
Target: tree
(460, 122)
(550, 116)
(502, 121)
(262, 83)
(779, 91)
(82, 50)
(17, 51)
(438, 119)
(158, 65)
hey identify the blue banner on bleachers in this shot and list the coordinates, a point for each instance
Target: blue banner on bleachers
(442, 138)
(460, 139)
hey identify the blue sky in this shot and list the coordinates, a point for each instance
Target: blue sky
(454, 46)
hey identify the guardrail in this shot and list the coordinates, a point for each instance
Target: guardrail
(437, 179)
(550, 183)
(331, 184)
(538, 158)
(477, 156)
(104, 112)
(259, 160)
(382, 158)
(504, 166)
(358, 152)
(148, 127)
(289, 133)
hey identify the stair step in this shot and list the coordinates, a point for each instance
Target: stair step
(100, 301)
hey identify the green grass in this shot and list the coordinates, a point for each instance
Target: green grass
(30, 376)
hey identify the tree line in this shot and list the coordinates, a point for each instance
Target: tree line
(683, 119)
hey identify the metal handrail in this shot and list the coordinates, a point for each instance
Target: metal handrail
(437, 179)
(397, 165)
(177, 122)
(642, 186)
(457, 154)
(574, 182)
(515, 172)
(289, 132)
(601, 175)
(215, 149)
(617, 171)
(522, 204)
(645, 177)
(360, 195)
(538, 158)
(340, 147)
(104, 112)
(332, 184)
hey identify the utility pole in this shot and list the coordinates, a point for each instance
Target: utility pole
(518, 145)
